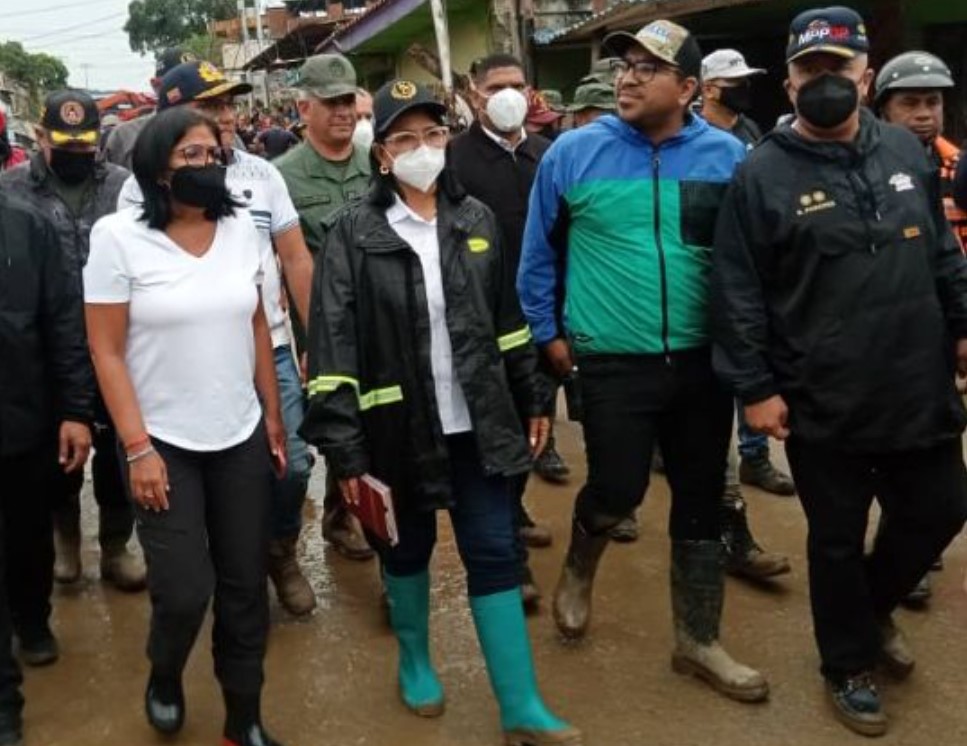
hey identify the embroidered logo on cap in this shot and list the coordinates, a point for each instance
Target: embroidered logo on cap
(403, 90)
(72, 113)
(209, 73)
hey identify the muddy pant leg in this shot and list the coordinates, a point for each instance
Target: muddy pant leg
(29, 545)
(180, 573)
(11, 700)
(694, 434)
(836, 490)
(288, 494)
(239, 489)
(924, 500)
(483, 516)
(622, 396)
(115, 514)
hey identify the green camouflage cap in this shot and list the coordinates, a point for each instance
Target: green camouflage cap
(593, 96)
(554, 99)
(601, 72)
(327, 76)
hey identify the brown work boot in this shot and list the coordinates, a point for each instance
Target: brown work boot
(122, 568)
(532, 534)
(895, 654)
(291, 586)
(744, 558)
(67, 548)
(698, 590)
(759, 471)
(341, 529)
(572, 597)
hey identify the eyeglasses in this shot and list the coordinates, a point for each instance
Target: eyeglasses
(645, 70)
(202, 155)
(404, 142)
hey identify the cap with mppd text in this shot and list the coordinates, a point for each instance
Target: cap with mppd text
(327, 76)
(836, 30)
(196, 81)
(397, 97)
(170, 58)
(71, 116)
(665, 40)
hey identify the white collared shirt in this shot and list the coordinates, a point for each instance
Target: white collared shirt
(504, 142)
(421, 235)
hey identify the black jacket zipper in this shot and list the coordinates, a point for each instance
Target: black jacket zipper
(656, 165)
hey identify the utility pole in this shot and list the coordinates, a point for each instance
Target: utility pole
(86, 67)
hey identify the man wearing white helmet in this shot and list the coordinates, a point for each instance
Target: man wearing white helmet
(727, 94)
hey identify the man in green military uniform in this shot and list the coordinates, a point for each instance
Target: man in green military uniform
(591, 100)
(323, 173)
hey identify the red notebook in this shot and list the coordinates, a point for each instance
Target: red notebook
(375, 509)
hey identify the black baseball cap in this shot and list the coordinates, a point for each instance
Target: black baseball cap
(665, 40)
(836, 30)
(71, 116)
(400, 96)
(196, 81)
(170, 58)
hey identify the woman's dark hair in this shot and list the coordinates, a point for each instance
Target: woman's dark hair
(385, 187)
(152, 152)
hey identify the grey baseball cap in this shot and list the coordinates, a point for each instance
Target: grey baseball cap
(593, 96)
(327, 76)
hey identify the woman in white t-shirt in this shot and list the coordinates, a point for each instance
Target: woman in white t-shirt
(183, 356)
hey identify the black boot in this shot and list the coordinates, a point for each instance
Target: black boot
(759, 471)
(243, 720)
(572, 598)
(549, 466)
(164, 703)
(743, 556)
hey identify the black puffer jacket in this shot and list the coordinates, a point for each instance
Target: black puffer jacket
(838, 284)
(45, 371)
(32, 181)
(372, 405)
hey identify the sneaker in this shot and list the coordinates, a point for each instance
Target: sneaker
(758, 471)
(857, 705)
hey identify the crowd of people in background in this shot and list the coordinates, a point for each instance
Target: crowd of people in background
(209, 296)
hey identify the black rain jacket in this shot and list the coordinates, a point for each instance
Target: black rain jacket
(838, 284)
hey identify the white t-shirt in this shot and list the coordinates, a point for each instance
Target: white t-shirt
(421, 235)
(258, 185)
(190, 346)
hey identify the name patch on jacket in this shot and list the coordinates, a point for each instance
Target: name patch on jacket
(901, 182)
(815, 201)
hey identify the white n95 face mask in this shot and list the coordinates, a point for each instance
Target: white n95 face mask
(507, 109)
(420, 168)
(363, 135)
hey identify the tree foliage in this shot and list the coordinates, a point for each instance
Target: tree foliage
(153, 25)
(37, 72)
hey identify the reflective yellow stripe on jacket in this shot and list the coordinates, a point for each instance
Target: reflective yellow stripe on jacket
(367, 400)
(514, 339)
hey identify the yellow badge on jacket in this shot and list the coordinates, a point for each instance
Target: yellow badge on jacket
(478, 245)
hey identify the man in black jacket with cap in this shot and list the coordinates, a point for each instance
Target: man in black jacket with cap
(46, 402)
(840, 318)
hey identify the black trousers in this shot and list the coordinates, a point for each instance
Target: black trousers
(213, 539)
(29, 542)
(115, 515)
(11, 700)
(923, 495)
(632, 402)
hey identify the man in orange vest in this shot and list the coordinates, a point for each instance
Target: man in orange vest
(910, 93)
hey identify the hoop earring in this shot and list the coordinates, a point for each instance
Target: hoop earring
(384, 170)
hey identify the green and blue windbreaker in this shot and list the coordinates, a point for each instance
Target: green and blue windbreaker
(618, 243)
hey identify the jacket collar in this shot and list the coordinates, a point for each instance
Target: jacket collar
(493, 151)
(378, 237)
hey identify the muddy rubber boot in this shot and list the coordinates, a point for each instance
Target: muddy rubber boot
(291, 587)
(341, 529)
(895, 652)
(698, 590)
(67, 544)
(572, 597)
(409, 606)
(744, 558)
(243, 721)
(502, 632)
(121, 567)
(759, 471)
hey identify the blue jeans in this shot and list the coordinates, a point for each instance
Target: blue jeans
(289, 493)
(751, 444)
(484, 518)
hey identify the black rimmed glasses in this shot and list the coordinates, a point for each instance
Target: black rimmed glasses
(644, 70)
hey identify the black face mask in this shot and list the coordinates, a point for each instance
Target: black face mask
(738, 99)
(70, 166)
(202, 186)
(827, 101)
(5, 149)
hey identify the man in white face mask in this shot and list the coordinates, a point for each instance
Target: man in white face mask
(496, 160)
(363, 134)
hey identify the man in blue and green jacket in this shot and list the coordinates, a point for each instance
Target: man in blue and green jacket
(614, 281)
